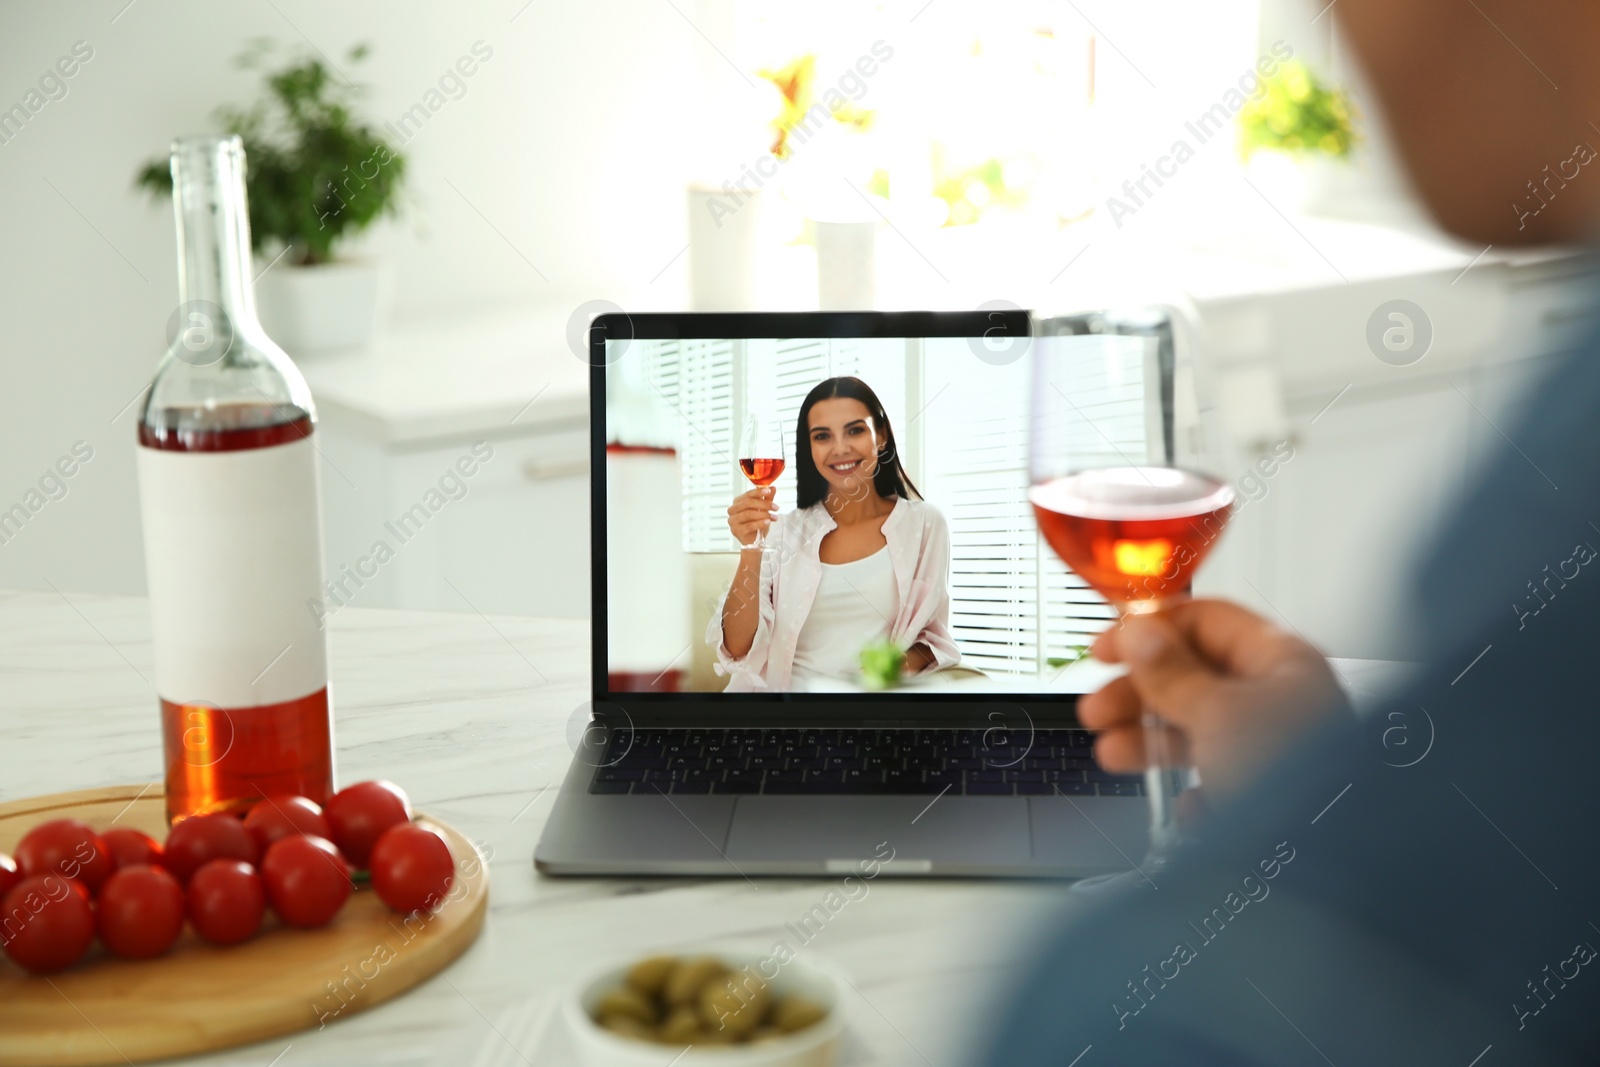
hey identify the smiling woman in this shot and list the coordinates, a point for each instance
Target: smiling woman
(860, 559)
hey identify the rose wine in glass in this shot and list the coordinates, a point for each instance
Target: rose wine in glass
(762, 472)
(762, 460)
(1135, 534)
(1111, 498)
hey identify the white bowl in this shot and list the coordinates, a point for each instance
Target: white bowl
(815, 1046)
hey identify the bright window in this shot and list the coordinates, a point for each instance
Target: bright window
(1028, 111)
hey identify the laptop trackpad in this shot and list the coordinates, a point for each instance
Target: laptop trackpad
(922, 837)
(1090, 831)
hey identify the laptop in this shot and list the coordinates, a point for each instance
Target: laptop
(798, 756)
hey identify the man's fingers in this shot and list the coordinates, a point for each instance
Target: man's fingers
(1233, 638)
(1121, 750)
(1114, 704)
(1168, 674)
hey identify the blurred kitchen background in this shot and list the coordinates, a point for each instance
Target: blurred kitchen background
(1026, 153)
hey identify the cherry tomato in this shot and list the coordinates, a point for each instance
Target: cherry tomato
(200, 839)
(48, 926)
(360, 813)
(132, 848)
(226, 901)
(9, 875)
(140, 912)
(411, 868)
(307, 880)
(68, 848)
(280, 816)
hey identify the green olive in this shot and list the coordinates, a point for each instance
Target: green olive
(714, 1037)
(627, 1003)
(734, 1005)
(648, 976)
(688, 977)
(681, 1028)
(627, 1026)
(796, 1013)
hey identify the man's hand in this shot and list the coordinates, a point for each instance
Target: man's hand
(1234, 688)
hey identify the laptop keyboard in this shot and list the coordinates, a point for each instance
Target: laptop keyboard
(857, 761)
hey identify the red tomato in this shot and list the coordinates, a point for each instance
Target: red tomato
(199, 839)
(132, 848)
(68, 848)
(307, 880)
(140, 912)
(359, 814)
(280, 816)
(47, 925)
(9, 875)
(411, 868)
(226, 901)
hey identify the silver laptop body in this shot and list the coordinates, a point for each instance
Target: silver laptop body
(610, 820)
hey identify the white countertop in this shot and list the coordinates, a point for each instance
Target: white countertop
(471, 716)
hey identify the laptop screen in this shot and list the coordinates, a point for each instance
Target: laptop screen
(884, 460)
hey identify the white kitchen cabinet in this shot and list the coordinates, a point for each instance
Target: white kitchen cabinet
(1381, 452)
(400, 427)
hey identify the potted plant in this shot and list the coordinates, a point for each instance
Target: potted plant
(1296, 134)
(317, 176)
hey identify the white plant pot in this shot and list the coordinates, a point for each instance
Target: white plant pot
(724, 234)
(847, 267)
(323, 308)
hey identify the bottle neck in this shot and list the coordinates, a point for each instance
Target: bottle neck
(213, 222)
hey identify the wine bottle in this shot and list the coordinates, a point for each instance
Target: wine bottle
(231, 506)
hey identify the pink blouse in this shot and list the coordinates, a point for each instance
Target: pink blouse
(919, 551)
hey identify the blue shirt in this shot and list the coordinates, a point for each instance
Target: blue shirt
(1422, 887)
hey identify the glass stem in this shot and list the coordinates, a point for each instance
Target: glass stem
(1161, 785)
(1163, 779)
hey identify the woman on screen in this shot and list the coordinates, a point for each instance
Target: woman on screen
(862, 557)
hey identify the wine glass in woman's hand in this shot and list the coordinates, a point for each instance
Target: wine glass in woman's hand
(750, 515)
(761, 459)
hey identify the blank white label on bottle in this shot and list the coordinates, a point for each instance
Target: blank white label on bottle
(233, 556)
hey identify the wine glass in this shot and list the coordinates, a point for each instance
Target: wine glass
(1110, 497)
(762, 458)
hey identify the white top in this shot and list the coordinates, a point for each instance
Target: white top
(919, 557)
(855, 602)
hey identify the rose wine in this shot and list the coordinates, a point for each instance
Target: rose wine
(227, 428)
(1135, 534)
(762, 472)
(217, 759)
(231, 509)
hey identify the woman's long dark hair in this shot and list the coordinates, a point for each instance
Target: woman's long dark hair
(890, 479)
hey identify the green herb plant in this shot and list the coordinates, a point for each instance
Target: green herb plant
(882, 663)
(316, 174)
(1074, 653)
(1298, 115)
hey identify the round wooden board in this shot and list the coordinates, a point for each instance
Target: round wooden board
(199, 997)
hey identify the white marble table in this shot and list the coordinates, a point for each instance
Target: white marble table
(470, 714)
